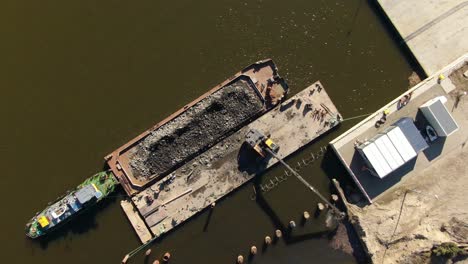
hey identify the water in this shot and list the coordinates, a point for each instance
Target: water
(79, 79)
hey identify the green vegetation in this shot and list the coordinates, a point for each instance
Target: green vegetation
(448, 250)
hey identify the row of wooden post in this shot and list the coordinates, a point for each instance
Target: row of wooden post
(279, 233)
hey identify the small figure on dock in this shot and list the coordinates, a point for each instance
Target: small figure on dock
(404, 100)
(322, 114)
(316, 113)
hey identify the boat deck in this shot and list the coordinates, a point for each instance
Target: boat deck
(231, 163)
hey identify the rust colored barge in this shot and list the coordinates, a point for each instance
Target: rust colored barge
(197, 126)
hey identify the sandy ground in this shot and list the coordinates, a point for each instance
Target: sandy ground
(458, 79)
(433, 208)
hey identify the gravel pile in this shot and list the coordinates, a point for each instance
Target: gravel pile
(195, 130)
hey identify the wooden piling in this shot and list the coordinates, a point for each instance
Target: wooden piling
(166, 257)
(253, 250)
(278, 233)
(306, 215)
(334, 197)
(267, 240)
(125, 259)
(320, 206)
(292, 224)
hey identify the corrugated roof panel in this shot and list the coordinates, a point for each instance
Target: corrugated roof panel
(376, 159)
(401, 144)
(379, 142)
(392, 150)
(381, 158)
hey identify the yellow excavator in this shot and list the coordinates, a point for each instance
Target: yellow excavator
(264, 146)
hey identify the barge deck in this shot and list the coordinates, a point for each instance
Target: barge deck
(230, 163)
(197, 126)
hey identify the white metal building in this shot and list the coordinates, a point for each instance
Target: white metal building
(392, 148)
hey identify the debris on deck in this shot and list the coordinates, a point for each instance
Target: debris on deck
(230, 163)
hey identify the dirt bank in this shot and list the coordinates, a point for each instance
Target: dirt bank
(193, 131)
(428, 209)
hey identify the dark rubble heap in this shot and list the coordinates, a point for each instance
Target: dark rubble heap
(195, 130)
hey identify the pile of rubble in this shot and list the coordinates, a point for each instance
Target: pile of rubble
(195, 130)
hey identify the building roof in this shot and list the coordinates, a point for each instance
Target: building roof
(411, 133)
(439, 117)
(85, 194)
(392, 148)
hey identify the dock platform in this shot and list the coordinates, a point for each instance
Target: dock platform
(434, 31)
(231, 163)
(424, 200)
(373, 187)
(138, 225)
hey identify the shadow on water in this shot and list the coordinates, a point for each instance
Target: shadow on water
(396, 37)
(289, 235)
(208, 220)
(332, 171)
(82, 223)
(250, 162)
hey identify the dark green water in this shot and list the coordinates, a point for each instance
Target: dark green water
(79, 79)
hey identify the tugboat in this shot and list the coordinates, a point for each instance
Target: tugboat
(87, 194)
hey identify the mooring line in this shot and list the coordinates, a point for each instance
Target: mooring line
(354, 117)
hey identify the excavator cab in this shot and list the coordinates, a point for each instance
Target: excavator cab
(258, 141)
(271, 145)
